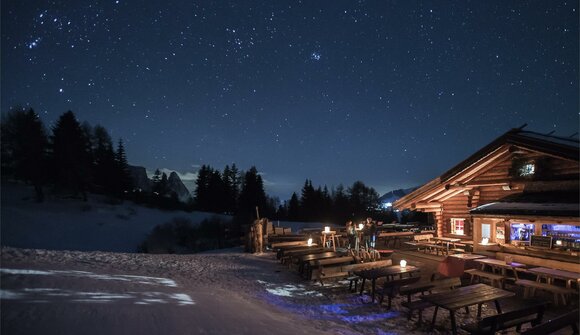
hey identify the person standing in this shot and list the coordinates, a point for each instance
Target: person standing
(351, 234)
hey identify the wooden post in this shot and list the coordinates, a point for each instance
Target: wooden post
(257, 213)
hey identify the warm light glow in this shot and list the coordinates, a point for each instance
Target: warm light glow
(327, 229)
(361, 226)
(485, 240)
(558, 242)
(403, 263)
(310, 241)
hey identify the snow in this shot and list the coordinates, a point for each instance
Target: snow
(220, 292)
(69, 224)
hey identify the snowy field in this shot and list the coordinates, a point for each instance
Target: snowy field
(69, 224)
(102, 290)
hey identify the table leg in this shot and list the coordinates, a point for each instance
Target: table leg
(497, 306)
(453, 324)
(362, 286)
(374, 281)
(479, 311)
(434, 317)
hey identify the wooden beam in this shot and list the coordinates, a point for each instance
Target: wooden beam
(451, 194)
(425, 205)
(480, 166)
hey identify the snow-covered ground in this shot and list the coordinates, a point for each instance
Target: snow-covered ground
(219, 292)
(70, 224)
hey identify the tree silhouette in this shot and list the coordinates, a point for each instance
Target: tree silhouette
(294, 208)
(24, 144)
(363, 199)
(231, 181)
(71, 161)
(252, 195)
(122, 176)
(104, 164)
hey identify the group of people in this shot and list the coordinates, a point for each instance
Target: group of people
(362, 238)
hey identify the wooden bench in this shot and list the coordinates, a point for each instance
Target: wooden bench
(516, 318)
(422, 287)
(286, 258)
(495, 279)
(346, 271)
(391, 288)
(559, 292)
(569, 319)
(325, 273)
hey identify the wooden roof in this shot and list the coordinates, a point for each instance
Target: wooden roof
(454, 181)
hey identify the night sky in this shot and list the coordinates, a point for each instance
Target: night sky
(392, 93)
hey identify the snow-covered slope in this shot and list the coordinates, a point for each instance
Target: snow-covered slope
(69, 224)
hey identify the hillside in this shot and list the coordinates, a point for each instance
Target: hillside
(71, 224)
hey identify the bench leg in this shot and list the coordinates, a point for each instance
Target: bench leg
(434, 317)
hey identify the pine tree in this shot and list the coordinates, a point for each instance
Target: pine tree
(70, 161)
(202, 197)
(104, 165)
(307, 201)
(294, 208)
(124, 183)
(24, 148)
(252, 195)
(231, 182)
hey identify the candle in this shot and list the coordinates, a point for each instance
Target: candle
(310, 241)
(558, 242)
(403, 263)
(327, 229)
(485, 240)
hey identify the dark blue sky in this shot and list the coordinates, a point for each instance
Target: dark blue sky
(392, 93)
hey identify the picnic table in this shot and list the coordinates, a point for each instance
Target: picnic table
(395, 237)
(310, 258)
(467, 257)
(498, 270)
(447, 241)
(464, 297)
(389, 271)
(551, 274)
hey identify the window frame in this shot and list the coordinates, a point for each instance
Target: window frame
(454, 230)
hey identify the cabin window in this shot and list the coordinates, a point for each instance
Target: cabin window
(527, 169)
(521, 232)
(486, 231)
(458, 226)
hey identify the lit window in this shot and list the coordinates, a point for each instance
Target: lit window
(527, 169)
(458, 226)
(486, 231)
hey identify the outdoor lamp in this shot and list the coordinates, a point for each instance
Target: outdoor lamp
(403, 263)
(485, 240)
(327, 229)
(310, 241)
(558, 242)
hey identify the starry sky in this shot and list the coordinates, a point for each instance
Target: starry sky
(392, 93)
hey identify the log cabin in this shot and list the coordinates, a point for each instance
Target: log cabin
(518, 195)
